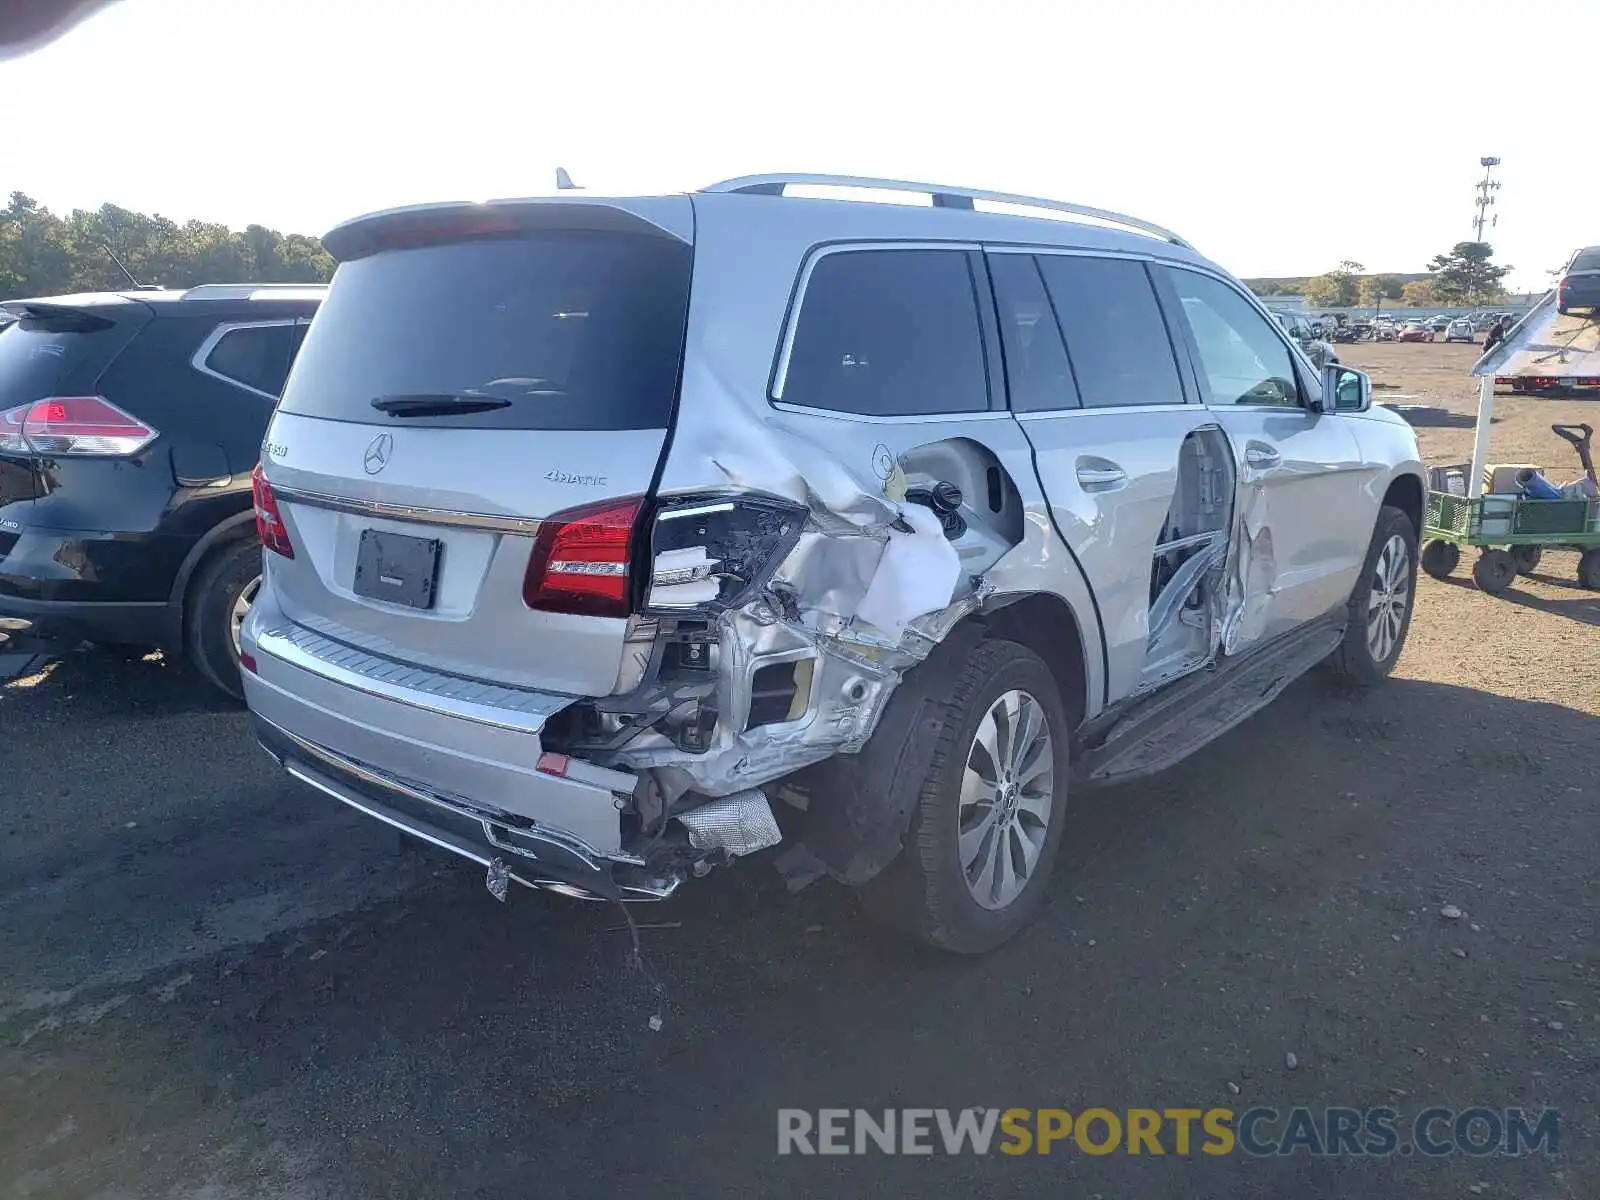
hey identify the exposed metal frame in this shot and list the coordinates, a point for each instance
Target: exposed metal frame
(944, 196)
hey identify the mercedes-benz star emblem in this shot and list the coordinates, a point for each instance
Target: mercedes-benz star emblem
(378, 453)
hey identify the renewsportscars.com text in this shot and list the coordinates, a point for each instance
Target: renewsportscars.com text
(1372, 1132)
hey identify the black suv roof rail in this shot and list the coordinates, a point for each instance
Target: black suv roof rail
(255, 291)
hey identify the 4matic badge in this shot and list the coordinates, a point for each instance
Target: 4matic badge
(580, 480)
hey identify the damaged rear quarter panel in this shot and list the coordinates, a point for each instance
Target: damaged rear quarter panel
(848, 472)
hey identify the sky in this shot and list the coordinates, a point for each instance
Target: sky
(1279, 138)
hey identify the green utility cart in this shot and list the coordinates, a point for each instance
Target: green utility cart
(1551, 351)
(1511, 532)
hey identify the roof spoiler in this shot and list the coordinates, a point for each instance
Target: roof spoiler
(63, 317)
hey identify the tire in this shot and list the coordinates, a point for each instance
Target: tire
(1494, 571)
(1440, 558)
(1589, 569)
(231, 573)
(1562, 309)
(1379, 609)
(925, 893)
(1526, 559)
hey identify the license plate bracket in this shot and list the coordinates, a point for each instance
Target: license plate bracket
(397, 568)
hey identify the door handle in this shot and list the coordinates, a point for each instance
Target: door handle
(1100, 474)
(1262, 456)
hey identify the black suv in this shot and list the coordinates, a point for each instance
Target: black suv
(130, 424)
(1580, 282)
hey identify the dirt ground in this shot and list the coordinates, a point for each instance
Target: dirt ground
(215, 984)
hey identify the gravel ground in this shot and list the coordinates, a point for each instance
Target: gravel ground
(214, 983)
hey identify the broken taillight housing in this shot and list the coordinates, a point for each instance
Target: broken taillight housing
(80, 426)
(269, 521)
(712, 553)
(580, 560)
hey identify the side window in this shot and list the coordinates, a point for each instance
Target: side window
(1241, 359)
(889, 333)
(1115, 333)
(256, 356)
(1037, 372)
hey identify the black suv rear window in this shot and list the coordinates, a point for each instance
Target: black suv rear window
(1587, 260)
(37, 356)
(577, 330)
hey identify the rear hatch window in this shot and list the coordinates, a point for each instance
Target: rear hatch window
(1587, 260)
(62, 352)
(573, 330)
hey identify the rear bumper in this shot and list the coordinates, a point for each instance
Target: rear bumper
(448, 770)
(77, 620)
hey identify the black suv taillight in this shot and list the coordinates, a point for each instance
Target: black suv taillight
(711, 553)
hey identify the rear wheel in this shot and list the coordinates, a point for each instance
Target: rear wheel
(1379, 611)
(1494, 571)
(219, 600)
(1526, 558)
(988, 820)
(1440, 558)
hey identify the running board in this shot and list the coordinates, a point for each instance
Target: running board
(1162, 729)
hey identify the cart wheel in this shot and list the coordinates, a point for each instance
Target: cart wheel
(1526, 558)
(1494, 571)
(1589, 569)
(1439, 558)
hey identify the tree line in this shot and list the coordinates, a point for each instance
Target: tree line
(45, 254)
(1462, 276)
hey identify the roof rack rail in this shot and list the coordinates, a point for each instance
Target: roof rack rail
(249, 291)
(943, 197)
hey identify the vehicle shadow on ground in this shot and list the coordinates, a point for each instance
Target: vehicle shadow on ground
(102, 683)
(1423, 416)
(442, 1036)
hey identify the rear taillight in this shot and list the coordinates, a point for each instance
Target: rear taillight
(269, 521)
(83, 426)
(712, 553)
(580, 560)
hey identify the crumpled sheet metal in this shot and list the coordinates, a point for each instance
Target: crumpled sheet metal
(1253, 581)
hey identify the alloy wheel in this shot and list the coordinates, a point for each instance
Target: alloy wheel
(1007, 794)
(241, 610)
(1388, 598)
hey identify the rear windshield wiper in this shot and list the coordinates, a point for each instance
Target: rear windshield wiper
(436, 404)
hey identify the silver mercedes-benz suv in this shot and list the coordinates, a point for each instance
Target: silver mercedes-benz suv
(610, 539)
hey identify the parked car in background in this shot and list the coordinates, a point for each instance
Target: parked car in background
(1304, 333)
(1384, 329)
(1438, 324)
(129, 426)
(913, 513)
(1460, 330)
(1415, 331)
(1579, 285)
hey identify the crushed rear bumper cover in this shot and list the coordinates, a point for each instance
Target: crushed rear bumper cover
(533, 856)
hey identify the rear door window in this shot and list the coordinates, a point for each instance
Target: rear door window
(888, 333)
(1114, 330)
(254, 356)
(574, 330)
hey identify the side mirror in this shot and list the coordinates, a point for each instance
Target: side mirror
(1345, 389)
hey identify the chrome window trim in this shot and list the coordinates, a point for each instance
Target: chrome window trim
(984, 414)
(525, 526)
(1053, 414)
(815, 255)
(198, 361)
